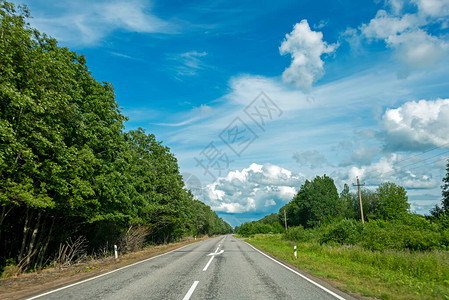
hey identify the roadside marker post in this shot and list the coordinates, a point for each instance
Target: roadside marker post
(295, 253)
(115, 251)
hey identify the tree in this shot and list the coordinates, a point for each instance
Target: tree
(370, 204)
(315, 202)
(393, 201)
(65, 158)
(445, 190)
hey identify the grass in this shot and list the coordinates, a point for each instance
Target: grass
(389, 274)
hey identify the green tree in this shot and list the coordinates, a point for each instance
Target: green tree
(315, 202)
(65, 158)
(393, 201)
(445, 190)
(270, 219)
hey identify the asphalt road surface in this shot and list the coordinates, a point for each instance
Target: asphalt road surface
(217, 268)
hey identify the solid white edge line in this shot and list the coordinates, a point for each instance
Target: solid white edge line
(299, 274)
(207, 266)
(96, 277)
(190, 292)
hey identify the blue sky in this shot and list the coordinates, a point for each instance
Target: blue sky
(255, 97)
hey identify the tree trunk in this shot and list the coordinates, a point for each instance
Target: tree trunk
(45, 246)
(3, 216)
(25, 234)
(33, 238)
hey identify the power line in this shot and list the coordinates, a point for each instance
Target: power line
(425, 159)
(416, 155)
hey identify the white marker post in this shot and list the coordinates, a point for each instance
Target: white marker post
(295, 253)
(115, 251)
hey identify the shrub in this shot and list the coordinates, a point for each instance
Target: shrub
(346, 231)
(382, 235)
(299, 234)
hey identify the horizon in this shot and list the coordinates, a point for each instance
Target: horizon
(253, 99)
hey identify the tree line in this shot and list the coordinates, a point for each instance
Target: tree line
(67, 166)
(318, 213)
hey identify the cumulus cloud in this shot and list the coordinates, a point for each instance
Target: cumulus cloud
(416, 125)
(306, 48)
(86, 23)
(433, 8)
(258, 188)
(313, 158)
(415, 47)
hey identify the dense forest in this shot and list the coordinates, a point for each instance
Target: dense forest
(68, 169)
(319, 214)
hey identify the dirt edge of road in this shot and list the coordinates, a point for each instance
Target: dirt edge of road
(30, 284)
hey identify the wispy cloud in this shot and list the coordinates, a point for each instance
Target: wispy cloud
(87, 23)
(188, 63)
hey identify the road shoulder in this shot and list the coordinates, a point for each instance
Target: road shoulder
(27, 285)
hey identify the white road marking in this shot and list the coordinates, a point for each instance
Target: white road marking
(299, 274)
(216, 253)
(92, 278)
(190, 292)
(211, 259)
(207, 266)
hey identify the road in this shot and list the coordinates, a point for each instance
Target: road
(218, 268)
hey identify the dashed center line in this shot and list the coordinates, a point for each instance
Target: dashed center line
(191, 290)
(210, 260)
(213, 254)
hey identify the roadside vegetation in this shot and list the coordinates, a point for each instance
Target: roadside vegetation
(395, 254)
(73, 182)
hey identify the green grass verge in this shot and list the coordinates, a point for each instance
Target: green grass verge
(386, 275)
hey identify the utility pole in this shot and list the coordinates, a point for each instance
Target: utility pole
(360, 197)
(285, 219)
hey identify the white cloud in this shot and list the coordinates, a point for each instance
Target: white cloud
(418, 50)
(395, 5)
(433, 8)
(385, 25)
(389, 168)
(87, 23)
(305, 47)
(254, 189)
(189, 63)
(415, 47)
(416, 125)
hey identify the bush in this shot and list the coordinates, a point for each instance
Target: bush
(251, 228)
(346, 231)
(382, 235)
(299, 234)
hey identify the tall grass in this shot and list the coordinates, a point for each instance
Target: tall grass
(387, 274)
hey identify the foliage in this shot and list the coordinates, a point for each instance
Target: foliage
(445, 189)
(270, 219)
(393, 200)
(315, 202)
(299, 234)
(390, 274)
(346, 231)
(370, 203)
(251, 228)
(66, 159)
(411, 232)
(437, 210)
